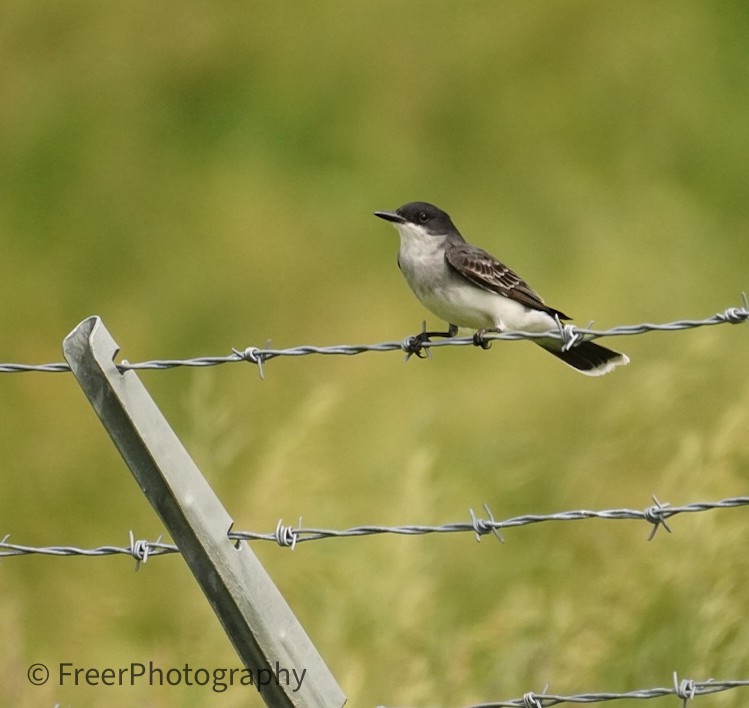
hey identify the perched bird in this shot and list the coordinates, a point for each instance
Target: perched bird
(468, 287)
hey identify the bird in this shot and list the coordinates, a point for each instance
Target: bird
(468, 287)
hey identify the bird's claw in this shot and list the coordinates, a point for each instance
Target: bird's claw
(479, 339)
(415, 345)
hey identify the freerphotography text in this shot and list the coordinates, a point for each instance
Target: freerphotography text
(218, 680)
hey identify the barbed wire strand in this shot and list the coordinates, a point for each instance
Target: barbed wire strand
(656, 515)
(140, 550)
(290, 536)
(686, 690)
(569, 334)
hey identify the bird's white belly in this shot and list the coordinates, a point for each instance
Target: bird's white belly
(467, 305)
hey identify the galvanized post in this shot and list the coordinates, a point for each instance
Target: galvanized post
(259, 622)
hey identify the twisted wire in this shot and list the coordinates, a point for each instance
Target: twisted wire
(569, 334)
(686, 690)
(289, 536)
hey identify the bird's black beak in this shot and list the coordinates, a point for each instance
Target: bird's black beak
(390, 216)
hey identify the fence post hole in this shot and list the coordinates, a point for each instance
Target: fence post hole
(265, 632)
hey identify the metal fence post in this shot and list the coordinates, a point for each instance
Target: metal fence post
(257, 619)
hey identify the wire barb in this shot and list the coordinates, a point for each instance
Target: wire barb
(736, 315)
(656, 515)
(483, 527)
(415, 344)
(531, 701)
(570, 335)
(286, 536)
(685, 689)
(141, 550)
(254, 356)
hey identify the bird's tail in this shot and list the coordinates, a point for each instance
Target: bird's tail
(588, 358)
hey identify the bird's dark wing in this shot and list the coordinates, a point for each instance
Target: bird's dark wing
(484, 270)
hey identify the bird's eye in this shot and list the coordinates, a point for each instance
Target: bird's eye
(423, 217)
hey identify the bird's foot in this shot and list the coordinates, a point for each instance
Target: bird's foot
(415, 343)
(480, 340)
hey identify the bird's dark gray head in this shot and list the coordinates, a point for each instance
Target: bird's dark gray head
(423, 215)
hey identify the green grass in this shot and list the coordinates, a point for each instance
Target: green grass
(203, 177)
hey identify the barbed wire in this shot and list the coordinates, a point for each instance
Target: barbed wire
(140, 550)
(686, 690)
(656, 515)
(289, 536)
(569, 334)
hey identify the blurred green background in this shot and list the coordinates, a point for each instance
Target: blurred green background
(202, 176)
